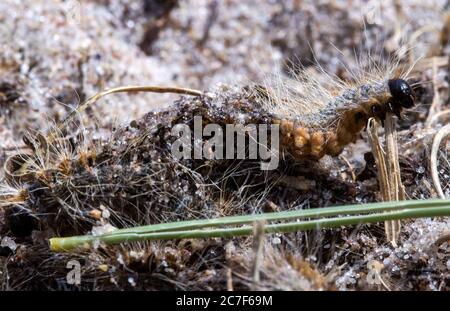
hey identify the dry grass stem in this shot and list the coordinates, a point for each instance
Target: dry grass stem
(438, 138)
(388, 171)
(123, 89)
(258, 250)
(436, 104)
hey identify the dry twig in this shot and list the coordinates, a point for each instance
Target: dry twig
(438, 138)
(388, 171)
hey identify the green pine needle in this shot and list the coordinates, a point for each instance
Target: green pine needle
(233, 226)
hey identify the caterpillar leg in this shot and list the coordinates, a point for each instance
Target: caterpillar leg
(286, 130)
(317, 145)
(376, 109)
(350, 125)
(309, 143)
(302, 140)
(333, 147)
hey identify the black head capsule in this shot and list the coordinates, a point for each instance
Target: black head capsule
(402, 95)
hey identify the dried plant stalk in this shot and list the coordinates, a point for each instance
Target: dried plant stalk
(388, 171)
(121, 89)
(396, 188)
(258, 250)
(436, 104)
(438, 138)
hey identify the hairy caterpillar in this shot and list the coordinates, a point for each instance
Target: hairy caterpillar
(308, 138)
(320, 116)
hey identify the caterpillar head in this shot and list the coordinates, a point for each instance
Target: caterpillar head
(402, 95)
(399, 97)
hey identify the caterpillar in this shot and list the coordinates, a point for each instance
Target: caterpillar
(321, 115)
(307, 137)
